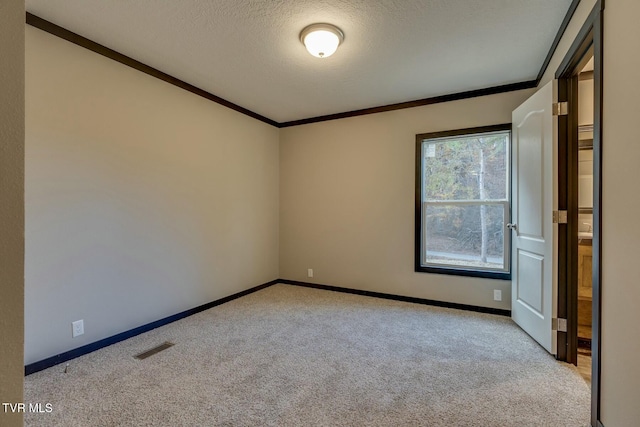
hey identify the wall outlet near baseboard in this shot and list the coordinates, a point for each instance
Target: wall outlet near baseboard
(77, 328)
(497, 295)
(310, 272)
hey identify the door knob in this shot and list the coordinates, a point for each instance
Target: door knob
(512, 226)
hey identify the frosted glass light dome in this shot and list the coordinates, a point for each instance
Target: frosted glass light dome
(321, 40)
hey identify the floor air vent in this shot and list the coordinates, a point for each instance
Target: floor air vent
(154, 350)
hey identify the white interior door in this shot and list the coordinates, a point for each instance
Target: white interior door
(534, 287)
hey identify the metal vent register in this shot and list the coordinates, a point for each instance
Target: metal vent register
(154, 350)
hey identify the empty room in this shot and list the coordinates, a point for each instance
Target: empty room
(319, 213)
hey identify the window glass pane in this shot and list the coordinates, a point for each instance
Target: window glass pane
(464, 236)
(466, 167)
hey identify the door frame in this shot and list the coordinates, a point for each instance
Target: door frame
(589, 38)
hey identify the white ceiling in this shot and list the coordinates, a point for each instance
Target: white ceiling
(248, 51)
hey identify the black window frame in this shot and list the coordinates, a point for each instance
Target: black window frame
(465, 271)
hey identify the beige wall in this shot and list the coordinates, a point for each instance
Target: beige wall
(11, 206)
(621, 204)
(142, 200)
(347, 200)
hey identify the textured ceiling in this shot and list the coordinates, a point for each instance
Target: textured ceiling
(248, 51)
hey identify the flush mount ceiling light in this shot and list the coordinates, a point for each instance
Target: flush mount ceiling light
(321, 40)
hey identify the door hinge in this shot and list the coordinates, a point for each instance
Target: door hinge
(560, 217)
(560, 108)
(559, 325)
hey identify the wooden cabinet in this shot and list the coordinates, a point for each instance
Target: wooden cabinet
(585, 270)
(585, 290)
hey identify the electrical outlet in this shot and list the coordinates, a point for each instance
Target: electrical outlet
(497, 295)
(77, 328)
(310, 272)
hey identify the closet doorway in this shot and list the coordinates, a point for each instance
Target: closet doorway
(584, 248)
(580, 148)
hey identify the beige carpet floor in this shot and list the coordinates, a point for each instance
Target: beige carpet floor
(292, 356)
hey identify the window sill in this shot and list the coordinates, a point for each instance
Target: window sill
(499, 275)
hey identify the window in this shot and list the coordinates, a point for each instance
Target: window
(463, 203)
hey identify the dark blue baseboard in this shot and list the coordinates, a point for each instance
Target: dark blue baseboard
(445, 304)
(80, 351)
